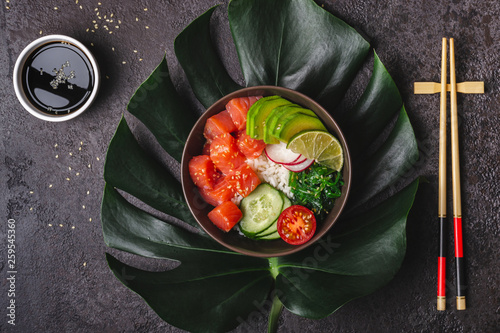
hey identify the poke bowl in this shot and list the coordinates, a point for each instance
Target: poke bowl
(251, 167)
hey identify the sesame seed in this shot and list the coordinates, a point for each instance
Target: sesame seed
(67, 179)
(84, 264)
(69, 168)
(97, 158)
(147, 27)
(41, 32)
(78, 174)
(56, 8)
(31, 192)
(50, 185)
(60, 225)
(81, 7)
(90, 219)
(124, 62)
(88, 192)
(31, 208)
(83, 206)
(73, 227)
(145, 9)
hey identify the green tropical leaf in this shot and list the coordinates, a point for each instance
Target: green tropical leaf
(157, 104)
(198, 57)
(290, 43)
(198, 300)
(129, 168)
(298, 45)
(373, 111)
(390, 162)
(339, 268)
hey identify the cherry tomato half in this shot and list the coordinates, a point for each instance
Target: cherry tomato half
(296, 225)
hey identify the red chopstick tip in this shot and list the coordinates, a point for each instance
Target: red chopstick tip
(441, 303)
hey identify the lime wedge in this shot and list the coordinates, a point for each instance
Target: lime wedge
(320, 146)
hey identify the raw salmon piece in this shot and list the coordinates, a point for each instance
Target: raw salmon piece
(202, 171)
(251, 148)
(238, 109)
(225, 216)
(225, 154)
(219, 124)
(244, 180)
(221, 192)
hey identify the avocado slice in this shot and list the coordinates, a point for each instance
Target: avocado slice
(284, 117)
(252, 112)
(260, 116)
(272, 119)
(297, 123)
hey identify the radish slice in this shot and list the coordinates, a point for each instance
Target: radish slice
(278, 153)
(300, 167)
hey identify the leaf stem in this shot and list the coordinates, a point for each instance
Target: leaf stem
(274, 315)
(273, 267)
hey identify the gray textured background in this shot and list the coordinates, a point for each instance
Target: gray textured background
(51, 173)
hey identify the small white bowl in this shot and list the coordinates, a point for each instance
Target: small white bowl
(37, 110)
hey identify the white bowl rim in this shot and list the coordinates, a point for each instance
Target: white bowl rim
(17, 80)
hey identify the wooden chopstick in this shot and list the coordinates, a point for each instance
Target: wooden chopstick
(455, 168)
(441, 288)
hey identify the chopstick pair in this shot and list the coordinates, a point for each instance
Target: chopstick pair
(453, 87)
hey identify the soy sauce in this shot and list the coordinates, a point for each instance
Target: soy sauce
(58, 78)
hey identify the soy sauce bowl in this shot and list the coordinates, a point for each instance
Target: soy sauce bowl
(234, 240)
(56, 78)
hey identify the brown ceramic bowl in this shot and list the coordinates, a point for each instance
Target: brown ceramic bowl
(233, 239)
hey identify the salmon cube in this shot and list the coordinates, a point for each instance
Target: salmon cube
(225, 216)
(218, 124)
(238, 109)
(225, 154)
(244, 180)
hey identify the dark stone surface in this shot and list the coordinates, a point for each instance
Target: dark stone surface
(51, 173)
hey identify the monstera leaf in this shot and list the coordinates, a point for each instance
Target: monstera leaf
(290, 43)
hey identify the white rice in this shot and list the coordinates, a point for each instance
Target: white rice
(272, 173)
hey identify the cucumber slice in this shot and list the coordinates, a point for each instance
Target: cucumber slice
(260, 209)
(273, 228)
(274, 235)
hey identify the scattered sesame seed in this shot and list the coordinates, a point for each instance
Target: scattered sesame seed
(55, 145)
(123, 62)
(57, 156)
(119, 21)
(140, 59)
(78, 174)
(41, 32)
(76, 2)
(81, 7)
(67, 178)
(111, 32)
(7, 7)
(56, 8)
(69, 168)
(73, 227)
(107, 77)
(135, 51)
(31, 192)
(99, 3)
(136, 19)
(88, 192)
(90, 219)
(83, 206)
(79, 148)
(70, 154)
(88, 166)
(95, 10)
(87, 30)
(147, 27)
(60, 225)
(92, 44)
(31, 208)
(84, 264)
(50, 185)
(50, 225)
(111, 15)
(145, 9)
(117, 27)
